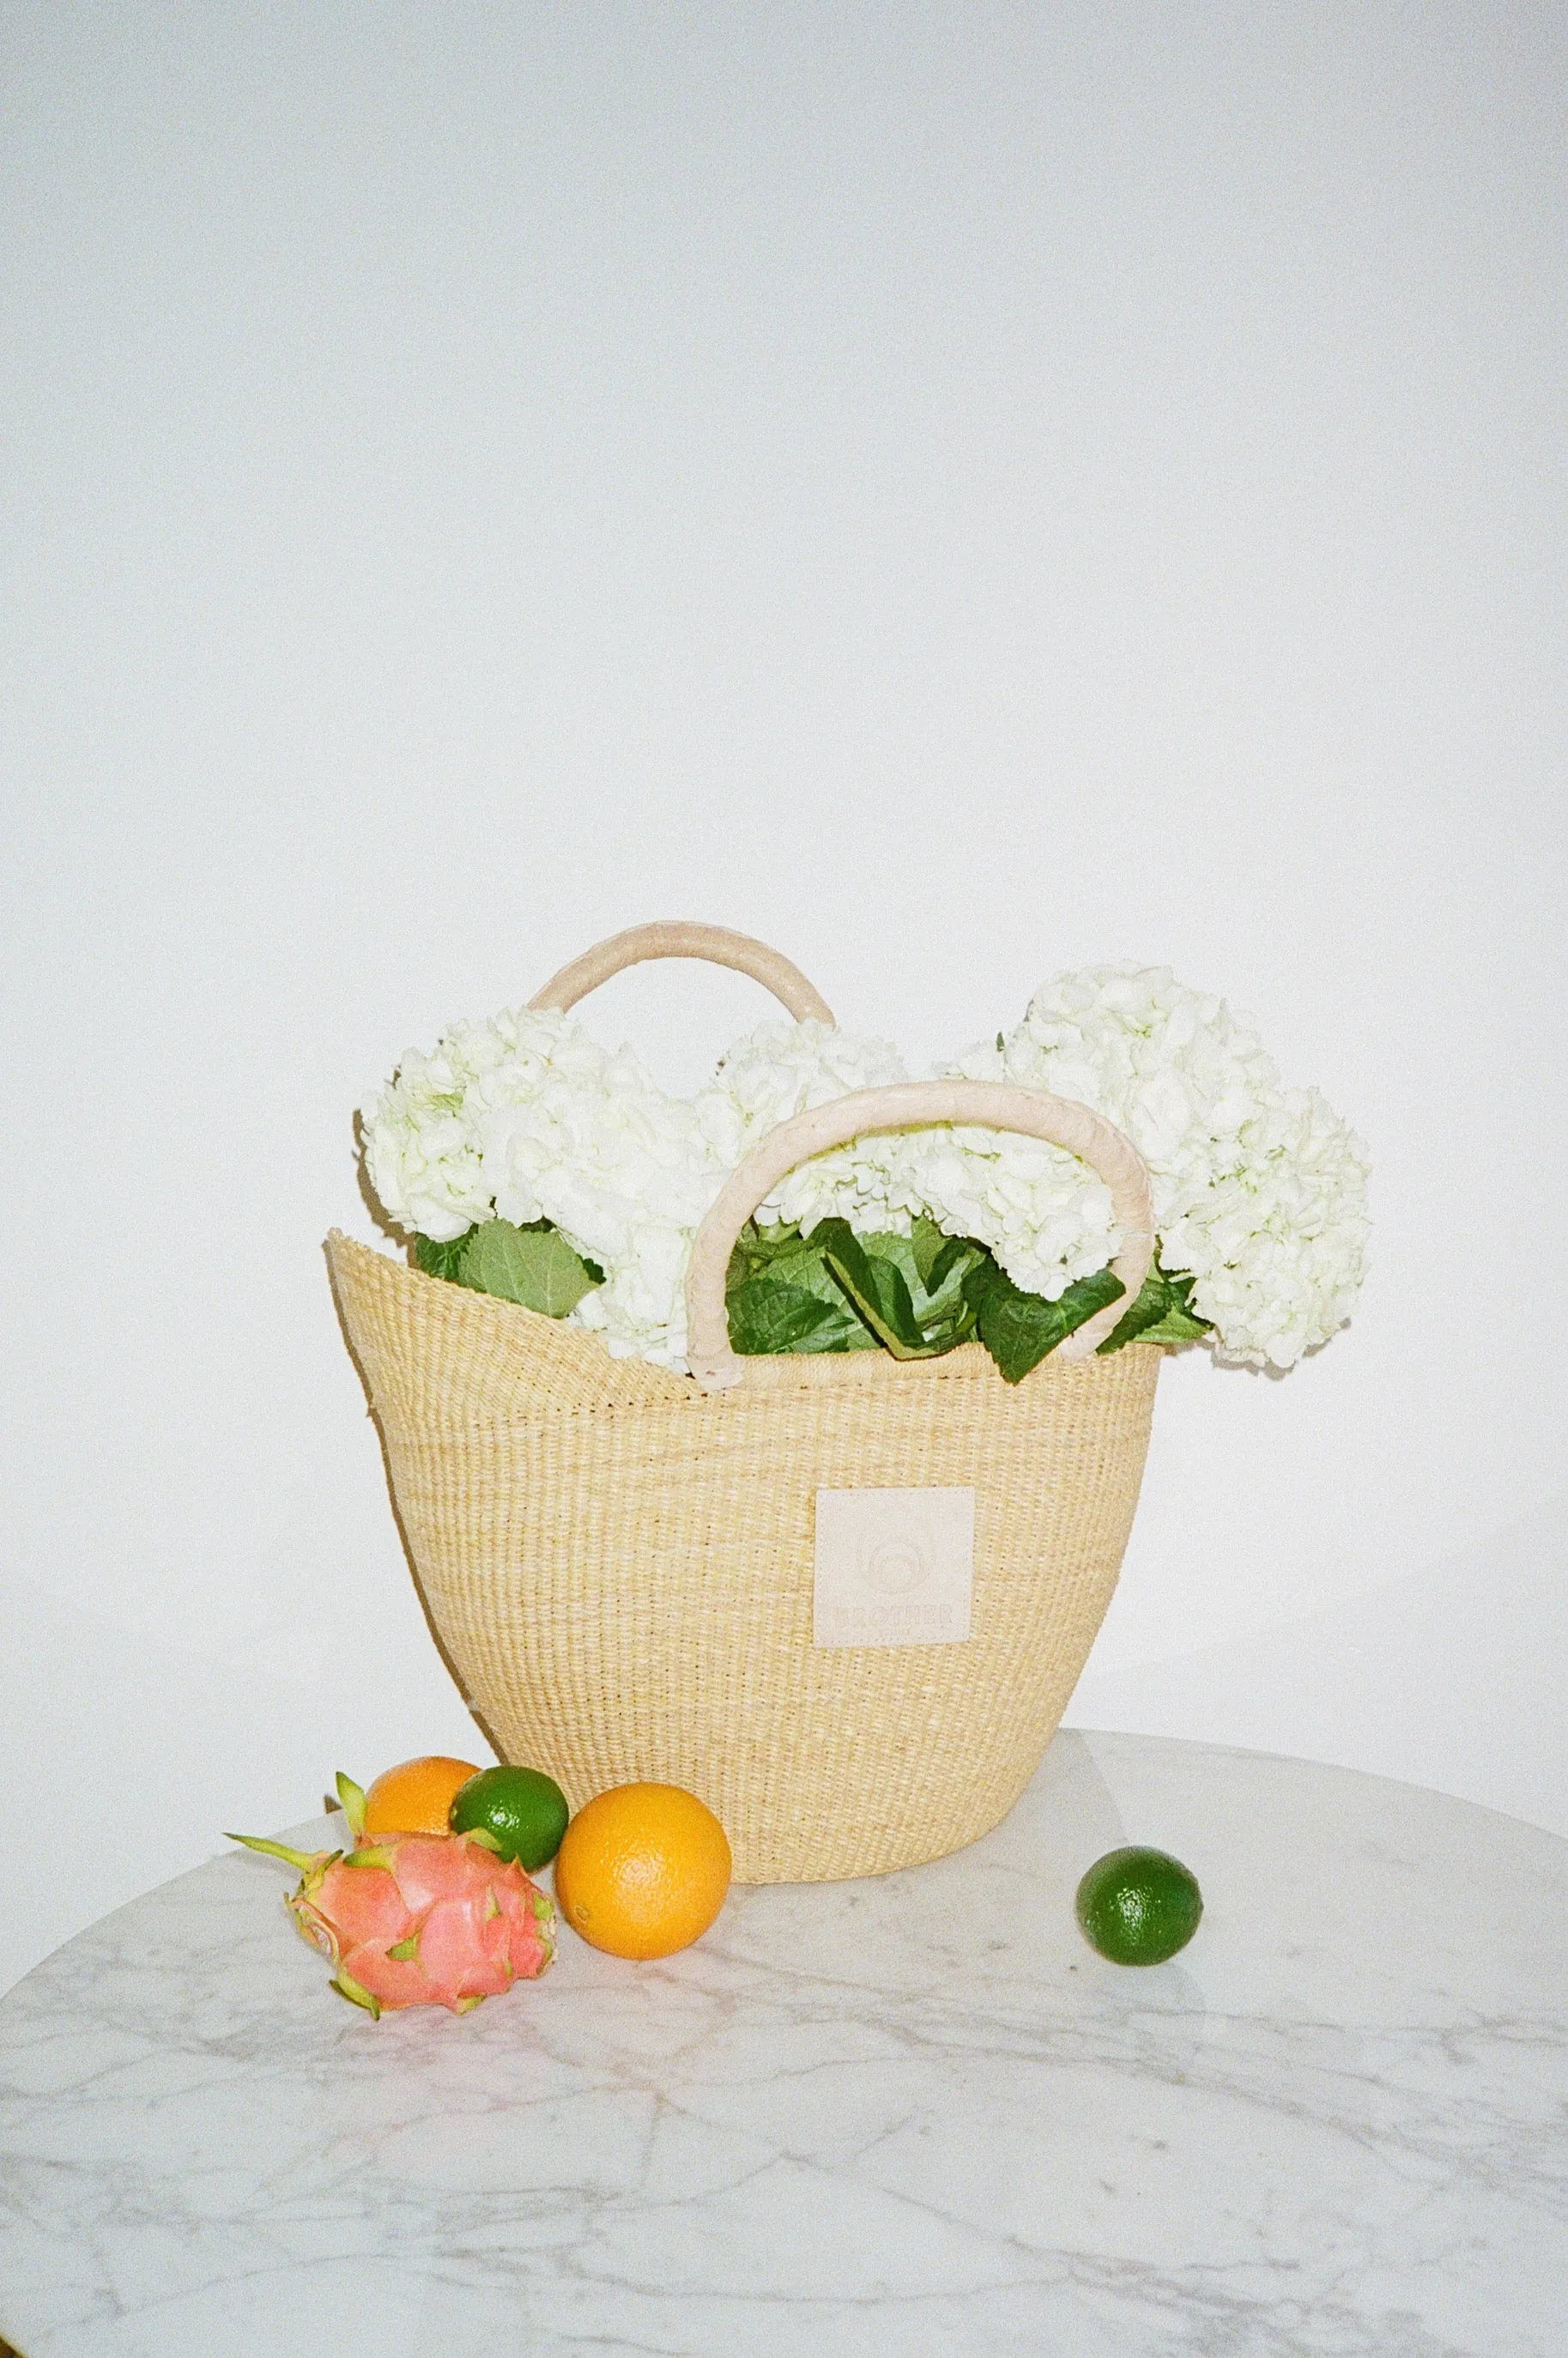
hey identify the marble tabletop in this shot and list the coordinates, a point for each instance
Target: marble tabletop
(907, 2117)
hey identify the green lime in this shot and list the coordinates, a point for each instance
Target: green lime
(523, 1810)
(1138, 1906)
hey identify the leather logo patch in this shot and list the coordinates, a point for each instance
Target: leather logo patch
(894, 1567)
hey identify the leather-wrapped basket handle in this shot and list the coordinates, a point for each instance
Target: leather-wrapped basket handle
(913, 1105)
(678, 939)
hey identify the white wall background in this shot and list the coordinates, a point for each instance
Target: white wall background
(956, 490)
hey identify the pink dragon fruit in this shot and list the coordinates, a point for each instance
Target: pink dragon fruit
(417, 1919)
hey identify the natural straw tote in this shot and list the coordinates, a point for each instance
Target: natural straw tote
(619, 1562)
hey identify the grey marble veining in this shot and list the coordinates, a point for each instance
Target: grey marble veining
(909, 2117)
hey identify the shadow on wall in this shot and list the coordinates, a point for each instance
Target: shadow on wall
(1453, 1678)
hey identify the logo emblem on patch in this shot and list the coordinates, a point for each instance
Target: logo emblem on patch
(894, 1567)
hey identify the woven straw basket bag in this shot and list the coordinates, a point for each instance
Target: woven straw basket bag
(621, 1563)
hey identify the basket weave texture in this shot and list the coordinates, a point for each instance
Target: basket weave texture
(620, 1566)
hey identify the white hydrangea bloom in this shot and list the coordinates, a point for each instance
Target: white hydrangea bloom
(527, 1117)
(1171, 1067)
(1044, 1215)
(626, 1173)
(1279, 1244)
(1260, 1193)
(783, 1069)
(423, 1150)
(640, 1309)
(660, 1182)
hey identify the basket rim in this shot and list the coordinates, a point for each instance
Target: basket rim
(624, 1381)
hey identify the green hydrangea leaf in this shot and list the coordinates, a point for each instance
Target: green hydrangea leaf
(1177, 1325)
(877, 1287)
(928, 1244)
(1019, 1329)
(785, 1254)
(958, 1252)
(1181, 1323)
(534, 1266)
(438, 1259)
(769, 1314)
(1154, 1301)
(778, 1252)
(945, 1314)
(1181, 1285)
(767, 1243)
(1087, 1294)
(898, 1252)
(1161, 1313)
(743, 1262)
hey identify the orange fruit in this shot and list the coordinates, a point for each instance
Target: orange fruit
(415, 1797)
(642, 1870)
